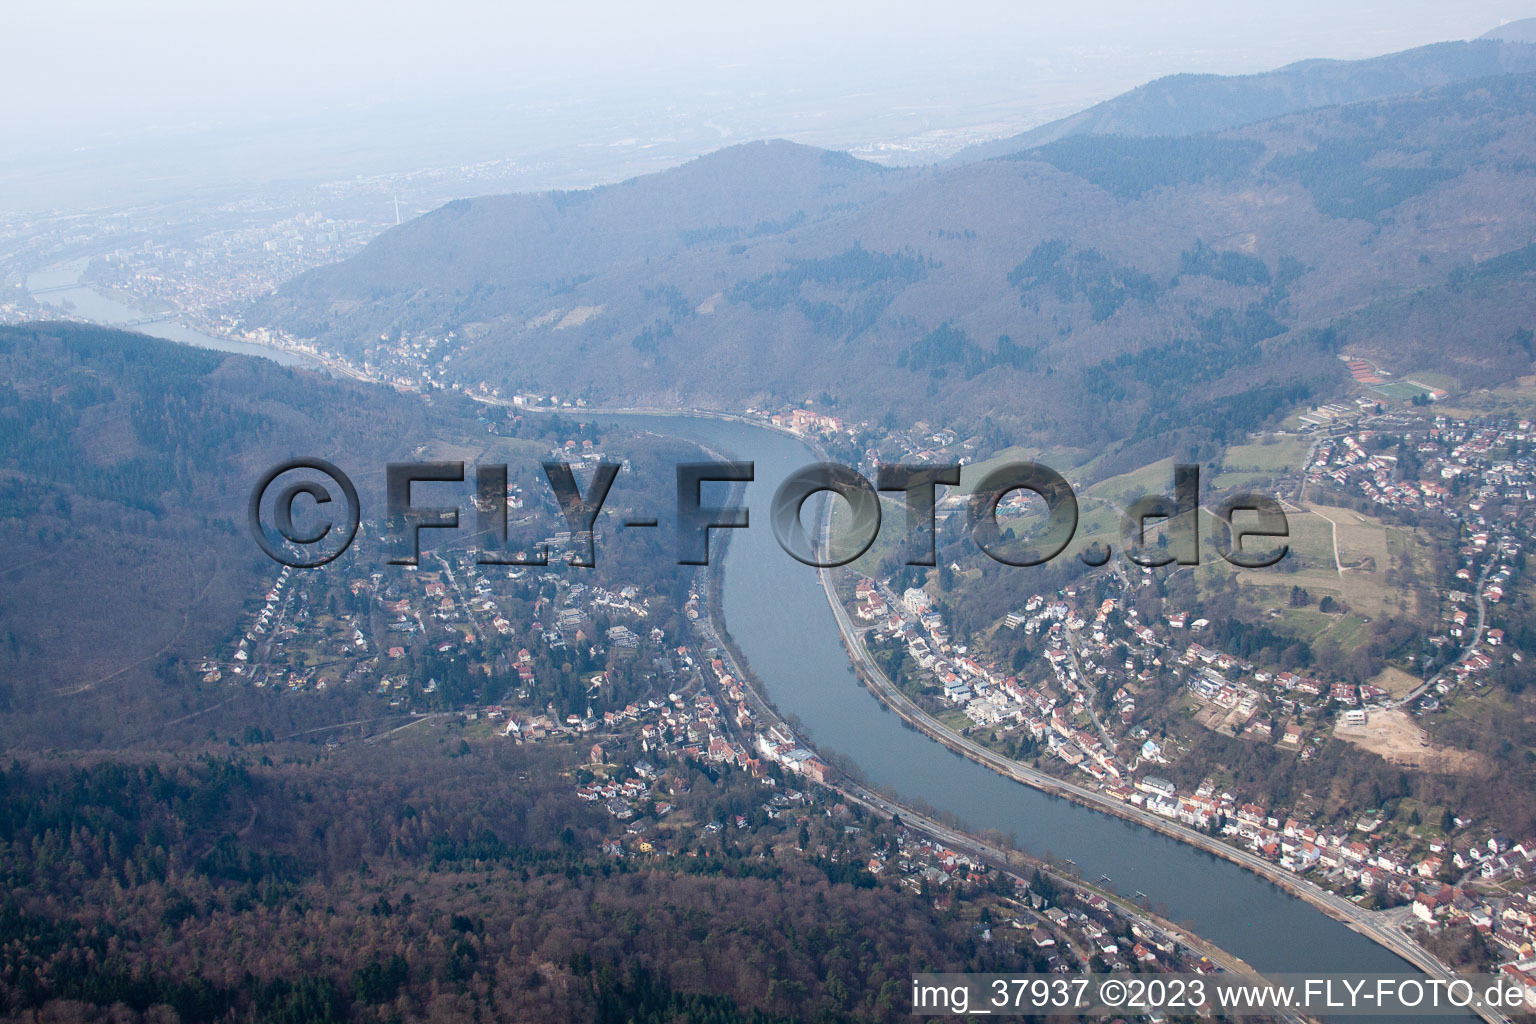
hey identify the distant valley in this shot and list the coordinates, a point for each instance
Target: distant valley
(1186, 288)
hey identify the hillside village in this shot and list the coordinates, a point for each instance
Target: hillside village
(672, 708)
(640, 776)
(1073, 711)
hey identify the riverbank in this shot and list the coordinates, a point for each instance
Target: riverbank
(797, 665)
(60, 289)
(1341, 910)
(1007, 860)
(799, 653)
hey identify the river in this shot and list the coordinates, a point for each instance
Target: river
(778, 615)
(60, 288)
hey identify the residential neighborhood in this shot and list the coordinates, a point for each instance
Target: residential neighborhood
(1072, 708)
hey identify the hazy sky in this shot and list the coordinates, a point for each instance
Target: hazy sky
(73, 69)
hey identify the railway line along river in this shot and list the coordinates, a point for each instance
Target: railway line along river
(780, 619)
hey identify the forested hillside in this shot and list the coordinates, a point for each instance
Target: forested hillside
(128, 462)
(1183, 288)
(442, 877)
(1193, 104)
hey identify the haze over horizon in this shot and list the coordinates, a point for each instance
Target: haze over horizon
(373, 379)
(197, 97)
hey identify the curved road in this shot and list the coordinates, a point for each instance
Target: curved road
(1477, 637)
(1002, 858)
(1360, 920)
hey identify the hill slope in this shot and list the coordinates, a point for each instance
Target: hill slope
(1193, 104)
(127, 465)
(1176, 289)
(1522, 30)
(518, 250)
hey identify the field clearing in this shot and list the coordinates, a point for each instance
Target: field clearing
(1362, 542)
(1401, 390)
(955, 720)
(1097, 521)
(1069, 462)
(970, 474)
(514, 452)
(1377, 562)
(1515, 399)
(1443, 381)
(1308, 562)
(1303, 621)
(1397, 738)
(1154, 478)
(1245, 465)
(1395, 681)
(889, 541)
(1348, 631)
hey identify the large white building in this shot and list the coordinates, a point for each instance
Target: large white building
(917, 600)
